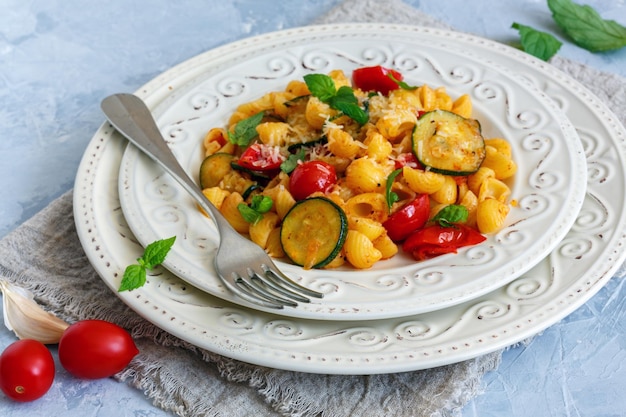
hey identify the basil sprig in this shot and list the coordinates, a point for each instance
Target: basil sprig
(154, 254)
(451, 214)
(539, 44)
(342, 99)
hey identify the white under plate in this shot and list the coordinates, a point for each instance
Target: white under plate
(548, 187)
(573, 272)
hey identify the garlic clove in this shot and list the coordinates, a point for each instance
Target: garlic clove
(24, 317)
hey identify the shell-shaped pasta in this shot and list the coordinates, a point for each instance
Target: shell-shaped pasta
(251, 108)
(365, 175)
(501, 164)
(386, 246)
(341, 143)
(477, 178)
(370, 228)
(283, 201)
(463, 106)
(447, 193)
(494, 188)
(260, 231)
(297, 88)
(360, 251)
(423, 182)
(214, 140)
(427, 97)
(502, 145)
(279, 100)
(231, 212)
(340, 79)
(368, 205)
(273, 246)
(395, 124)
(377, 147)
(216, 195)
(490, 215)
(404, 98)
(235, 182)
(470, 201)
(317, 113)
(274, 133)
(442, 100)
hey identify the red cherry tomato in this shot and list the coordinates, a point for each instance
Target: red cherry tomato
(261, 157)
(376, 79)
(408, 219)
(95, 349)
(26, 370)
(310, 177)
(435, 240)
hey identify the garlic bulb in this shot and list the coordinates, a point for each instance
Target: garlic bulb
(24, 317)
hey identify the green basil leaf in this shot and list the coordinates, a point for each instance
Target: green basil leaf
(156, 252)
(134, 277)
(353, 111)
(454, 213)
(245, 130)
(390, 196)
(249, 214)
(320, 86)
(586, 27)
(541, 45)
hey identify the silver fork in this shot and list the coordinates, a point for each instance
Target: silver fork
(244, 267)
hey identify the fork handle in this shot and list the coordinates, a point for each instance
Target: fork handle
(132, 118)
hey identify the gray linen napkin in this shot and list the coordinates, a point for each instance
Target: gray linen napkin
(45, 256)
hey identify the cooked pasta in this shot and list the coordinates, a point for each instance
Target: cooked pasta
(364, 155)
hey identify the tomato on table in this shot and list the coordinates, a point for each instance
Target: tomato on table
(261, 157)
(26, 370)
(408, 218)
(377, 78)
(435, 240)
(310, 177)
(95, 349)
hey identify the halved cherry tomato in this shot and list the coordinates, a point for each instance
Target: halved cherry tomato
(261, 157)
(407, 159)
(26, 370)
(408, 218)
(435, 240)
(310, 177)
(376, 79)
(95, 349)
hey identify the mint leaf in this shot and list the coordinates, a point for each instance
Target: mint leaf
(401, 84)
(390, 196)
(134, 277)
(344, 100)
(586, 27)
(454, 213)
(245, 130)
(259, 205)
(291, 162)
(539, 44)
(154, 254)
(321, 86)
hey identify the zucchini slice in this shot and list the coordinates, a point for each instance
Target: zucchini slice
(447, 143)
(214, 168)
(313, 232)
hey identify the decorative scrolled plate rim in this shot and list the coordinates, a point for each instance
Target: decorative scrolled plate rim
(578, 268)
(548, 187)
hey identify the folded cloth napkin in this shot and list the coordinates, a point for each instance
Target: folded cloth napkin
(45, 256)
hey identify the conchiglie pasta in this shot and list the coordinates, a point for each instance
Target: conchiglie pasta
(274, 133)
(367, 205)
(341, 143)
(231, 212)
(491, 215)
(447, 193)
(260, 231)
(502, 165)
(369, 227)
(273, 246)
(360, 251)
(385, 246)
(364, 175)
(423, 182)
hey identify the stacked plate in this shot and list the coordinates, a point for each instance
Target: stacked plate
(561, 243)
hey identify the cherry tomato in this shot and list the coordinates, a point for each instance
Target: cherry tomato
(95, 349)
(408, 219)
(435, 240)
(261, 157)
(407, 159)
(26, 370)
(310, 177)
(376, 79)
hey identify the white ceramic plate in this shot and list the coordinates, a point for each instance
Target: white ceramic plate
(574, 271)
(549, 185)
